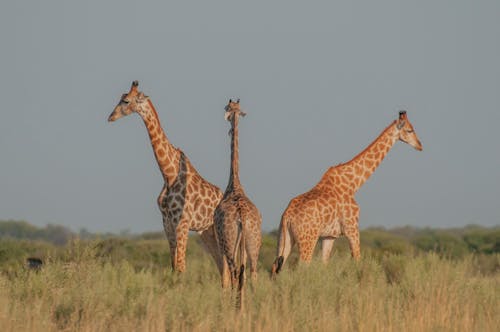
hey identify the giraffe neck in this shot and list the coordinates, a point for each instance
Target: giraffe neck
(166, 154)
(234, 175)
(360, 168)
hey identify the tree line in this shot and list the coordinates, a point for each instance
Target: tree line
(452, 242)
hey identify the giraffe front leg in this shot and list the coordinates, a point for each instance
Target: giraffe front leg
(326, 248)
(172, 243)
(353, 238)
(170, 233)
(351, 230)
(168, 224)
(173, 254)
(181, 237)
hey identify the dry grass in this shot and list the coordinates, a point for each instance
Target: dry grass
(391, 293)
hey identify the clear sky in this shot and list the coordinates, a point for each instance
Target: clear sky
(318, 80)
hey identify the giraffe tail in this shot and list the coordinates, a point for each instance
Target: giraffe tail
(278, 262)
(239, 276)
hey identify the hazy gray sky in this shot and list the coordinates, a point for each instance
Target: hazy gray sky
(318, 81)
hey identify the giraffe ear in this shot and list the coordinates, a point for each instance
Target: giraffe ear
(226, 115)
(242, 113)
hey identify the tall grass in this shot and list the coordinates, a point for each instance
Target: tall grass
(79, 292)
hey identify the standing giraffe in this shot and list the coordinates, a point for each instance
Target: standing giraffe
(237, 220)
(329, 209)
(187, 201)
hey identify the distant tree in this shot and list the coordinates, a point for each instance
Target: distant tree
(17, 229)
(55, 234)
(442, 243)
(483, 241)
(84, 234)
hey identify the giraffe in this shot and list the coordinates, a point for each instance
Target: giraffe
(329, 209)
(237, 220)
(187, 201)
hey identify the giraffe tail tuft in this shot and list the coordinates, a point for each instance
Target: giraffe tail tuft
(278, 262)
(277, 265)
(241, 277)
(241, 289)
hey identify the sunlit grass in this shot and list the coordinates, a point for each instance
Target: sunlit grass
(78, 292)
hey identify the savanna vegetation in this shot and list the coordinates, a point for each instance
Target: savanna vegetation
(407, 280)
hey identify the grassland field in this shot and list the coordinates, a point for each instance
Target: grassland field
(126, 284)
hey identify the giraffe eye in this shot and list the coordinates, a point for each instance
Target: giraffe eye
(409, 131)
(125, 101)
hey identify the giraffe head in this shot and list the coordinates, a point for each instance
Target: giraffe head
(232, 109)
(406, 133)
(129, 103)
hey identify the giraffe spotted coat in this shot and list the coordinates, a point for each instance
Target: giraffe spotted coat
(187, 201)
(329, 210)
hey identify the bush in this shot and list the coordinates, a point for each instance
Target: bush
(442, 243)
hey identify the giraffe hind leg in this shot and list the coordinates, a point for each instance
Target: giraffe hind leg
(253, 242)
(209, 240)
(225, 274)
(326, 248)
(306, 248)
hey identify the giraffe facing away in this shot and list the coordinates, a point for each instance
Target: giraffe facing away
(237, 220)
(329, 209)
(187, 201)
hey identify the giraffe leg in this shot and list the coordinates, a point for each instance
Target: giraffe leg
(209, 240)
(253, 259)
(170, 233)
(225, 274)
(326, 248)
(173, 252)
(306, 248)
(353, 239)
(351, 231)
(181, 246)
(253, 243)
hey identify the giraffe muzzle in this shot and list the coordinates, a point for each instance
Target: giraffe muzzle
(419, 146)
